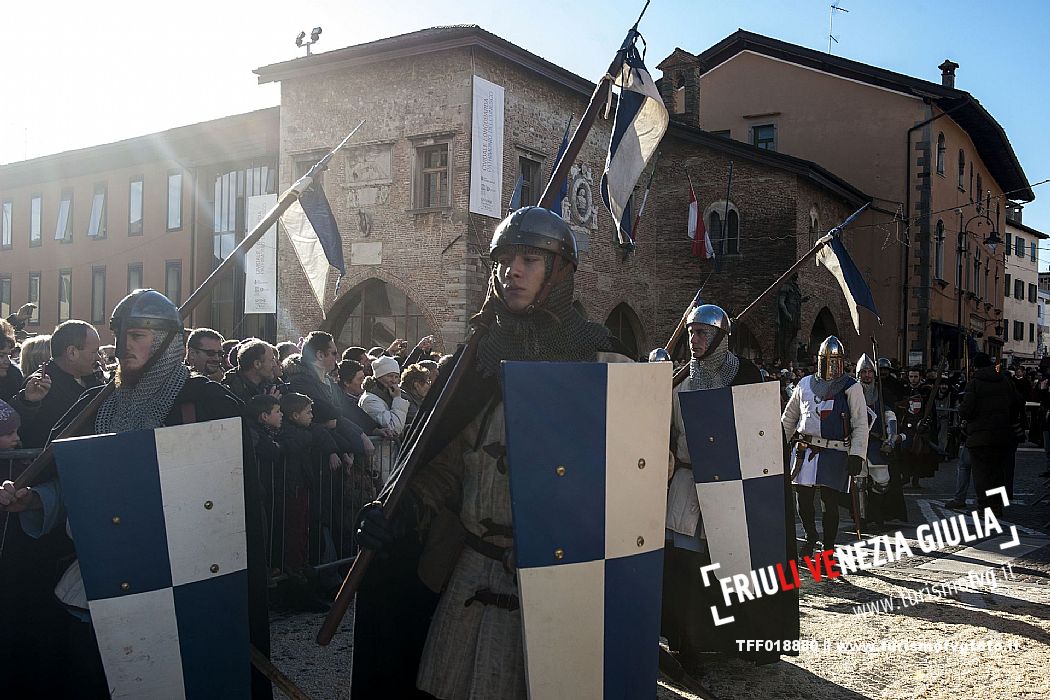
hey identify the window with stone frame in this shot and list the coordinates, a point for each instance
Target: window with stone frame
(433, 173)
(529, 171)
(938, 259)
(98, 294)
(940, 154)
(764, 136)
(962, 170)
(1018, 330)
(64, 224)
(5, 296)
(33, 297)
(65, 294)
(1019, 289)
(1033, 292)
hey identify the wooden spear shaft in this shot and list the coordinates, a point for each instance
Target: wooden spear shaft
(46, 457)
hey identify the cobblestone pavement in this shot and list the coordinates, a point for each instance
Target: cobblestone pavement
(1013, 618)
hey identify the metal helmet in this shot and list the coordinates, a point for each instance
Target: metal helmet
(831, 359)
(716, 318)
(865, 363)
(143, 308)
(659, 355)
(538, 228)
(886, 364)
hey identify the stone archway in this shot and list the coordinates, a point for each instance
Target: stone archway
(624, 324)
(375, 313)
(823, 326)
(743, 343)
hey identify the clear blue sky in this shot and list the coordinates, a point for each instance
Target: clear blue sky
(78, 74)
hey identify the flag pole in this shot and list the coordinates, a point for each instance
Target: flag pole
(645, 197)
(821, 242)
(724, 227)
(409, 457)
(598, 98)
(46, 457)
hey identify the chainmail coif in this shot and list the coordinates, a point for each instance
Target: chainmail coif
(552, 332)
(715, 371)
(146, 404)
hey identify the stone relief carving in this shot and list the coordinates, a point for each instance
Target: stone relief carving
(369, 164)
(580, 201)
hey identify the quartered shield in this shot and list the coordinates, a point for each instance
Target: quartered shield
(157, 517)
(587, 453)
(736, 447)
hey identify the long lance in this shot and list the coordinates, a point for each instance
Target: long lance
(882, 397)
(412, 452)
(46, 457)
(821, 242)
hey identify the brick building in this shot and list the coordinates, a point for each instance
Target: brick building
(417, 257)
(80, 229)
(923, 248)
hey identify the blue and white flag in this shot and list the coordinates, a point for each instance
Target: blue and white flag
(587, 450)
(835, 257)
(640, 122)
(312, 229)
(157, 517)
(515, 196)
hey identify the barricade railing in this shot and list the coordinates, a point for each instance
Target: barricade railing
(310, 517)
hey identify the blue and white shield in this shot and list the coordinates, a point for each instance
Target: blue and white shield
(735, 444)
(157, 517)
(587, 452)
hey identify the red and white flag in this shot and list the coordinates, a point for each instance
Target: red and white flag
(697, 231)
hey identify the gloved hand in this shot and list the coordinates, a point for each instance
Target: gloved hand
(373, 529)
(854, 464)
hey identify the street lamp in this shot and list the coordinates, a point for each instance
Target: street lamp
(992, 241)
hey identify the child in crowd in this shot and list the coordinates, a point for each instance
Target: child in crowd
(10, 422)
(263, 417)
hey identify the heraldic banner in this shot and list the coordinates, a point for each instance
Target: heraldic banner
(157, 517)
(587, 453)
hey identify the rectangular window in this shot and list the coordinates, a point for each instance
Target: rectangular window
(1009, 242)
(530, 181)
(1031, 332)
(1018, 246)
(98, 294)
(1033, 250)
(1006, 292)
(135, 207)
(174, 201)
(1033, 292)
(134, 277)
(764, 136)
(65, 294)
(1019, 289)
(97, 222)
(432, 164)
(1018, 330)
(33, 297)
(173, 281)
(1006, 329)
(5, 225)
(5, 296)
(36, 205)
(64, 225)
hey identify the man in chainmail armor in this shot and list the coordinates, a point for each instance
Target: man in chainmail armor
(153, 389)
(686, 618)
(827, 420)
(438, 615)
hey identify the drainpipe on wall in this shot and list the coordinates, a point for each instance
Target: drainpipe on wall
(905, 249)
(193, 242)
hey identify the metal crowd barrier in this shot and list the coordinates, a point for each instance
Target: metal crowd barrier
(334, 499)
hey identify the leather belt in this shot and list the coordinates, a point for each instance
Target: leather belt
(505, 601)
(486, 549)
(824, 443)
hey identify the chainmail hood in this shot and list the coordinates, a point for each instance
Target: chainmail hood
(828, 389)
(146, 404)
(718, 369)
(554, 331)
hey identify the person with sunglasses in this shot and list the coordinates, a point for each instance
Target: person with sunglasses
(204, 353)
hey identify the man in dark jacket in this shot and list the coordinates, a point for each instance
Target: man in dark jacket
(990, 407)
(74, 359)
(256, 370)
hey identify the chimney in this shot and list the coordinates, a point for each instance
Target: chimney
(948, 73)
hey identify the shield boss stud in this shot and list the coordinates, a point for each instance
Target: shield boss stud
(214, 568)
(125, 586)
(711, 439)
(560, 471)
(208, 505)
(641, 540)
(641, 463)
(559, 553)
(116, 520)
